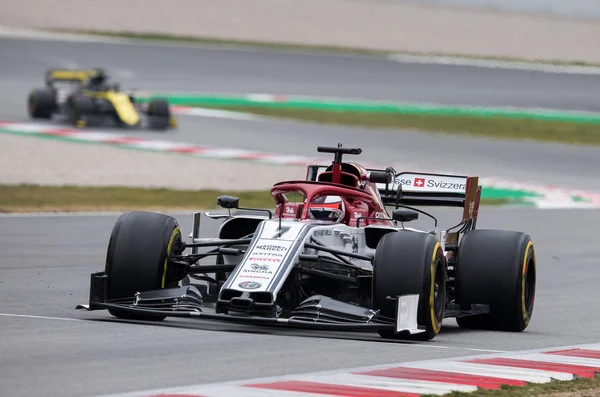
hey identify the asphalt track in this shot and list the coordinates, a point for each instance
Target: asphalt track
(45, 267)
(162, 67)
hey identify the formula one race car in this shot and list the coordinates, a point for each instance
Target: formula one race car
(94, 99)
(334, 259)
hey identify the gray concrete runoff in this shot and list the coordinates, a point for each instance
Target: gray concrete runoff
(395, 25)
(47, 162)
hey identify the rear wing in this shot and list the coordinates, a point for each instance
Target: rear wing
(69, 75)
(424, 189)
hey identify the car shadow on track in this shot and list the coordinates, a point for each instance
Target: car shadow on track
(211, 326)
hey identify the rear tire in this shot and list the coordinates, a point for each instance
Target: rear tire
(159, 114)
(41, 103)
(409, 262)
(136, 259)
(497, 268)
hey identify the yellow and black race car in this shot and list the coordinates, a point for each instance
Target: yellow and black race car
(90, 98)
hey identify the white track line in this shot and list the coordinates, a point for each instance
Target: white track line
(215, 113)
(83, 213)
(496, 64)
(41, 317)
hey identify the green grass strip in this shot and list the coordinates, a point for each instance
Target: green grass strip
(487, 127)
(31, 198)
(509, 195)
(35, 198)
(339, 105)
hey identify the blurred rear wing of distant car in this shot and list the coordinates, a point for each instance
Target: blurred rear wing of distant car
(69, 75)
(425, 189)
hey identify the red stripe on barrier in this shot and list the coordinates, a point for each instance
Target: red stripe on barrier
(579, 370)
(298, 162)
(176, 395)
(188, 149)
(484, 382)
(331, 389)
(122, 141)
(59, 131)
(252, 156)
(584, 353)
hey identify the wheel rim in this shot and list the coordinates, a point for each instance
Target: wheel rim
(438, 296)
(530, 278)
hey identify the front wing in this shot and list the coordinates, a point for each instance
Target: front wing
(187, 302)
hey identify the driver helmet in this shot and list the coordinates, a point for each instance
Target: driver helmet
(99, 77)
(327, 208)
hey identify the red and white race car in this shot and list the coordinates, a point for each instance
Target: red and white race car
(332, 255)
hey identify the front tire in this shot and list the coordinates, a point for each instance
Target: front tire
(405, 263)
(136, 259)
(497, 268)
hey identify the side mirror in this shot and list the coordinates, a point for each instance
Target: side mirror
(404, 215)
(380, 177)
(228, 202)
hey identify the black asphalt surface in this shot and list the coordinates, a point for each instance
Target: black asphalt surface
(45, 267)
(162, 67)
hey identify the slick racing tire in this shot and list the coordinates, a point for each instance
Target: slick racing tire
(136, 259)
(159, 114)
(405, 263)
(41, 103)
(496, 268)
(80, 106)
